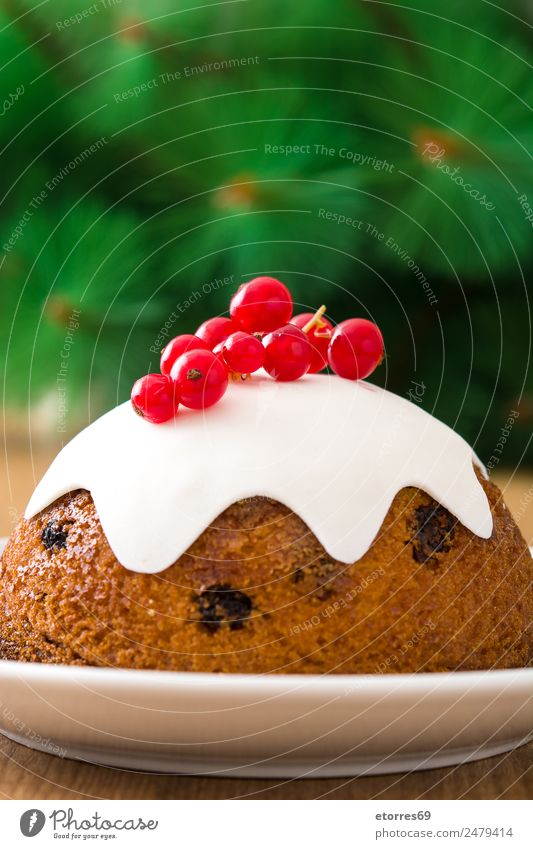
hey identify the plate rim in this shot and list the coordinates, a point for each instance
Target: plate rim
(346, 684)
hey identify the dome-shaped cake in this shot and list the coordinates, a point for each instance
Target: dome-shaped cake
(319, 526)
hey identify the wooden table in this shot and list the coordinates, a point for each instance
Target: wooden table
(25, 774)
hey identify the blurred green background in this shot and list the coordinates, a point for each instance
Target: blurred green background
(375, 156)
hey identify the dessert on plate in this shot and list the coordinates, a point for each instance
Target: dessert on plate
(290, 522)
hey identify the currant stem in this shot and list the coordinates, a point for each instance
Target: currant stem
(315, 321)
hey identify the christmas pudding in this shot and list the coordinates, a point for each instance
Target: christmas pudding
(290, 522)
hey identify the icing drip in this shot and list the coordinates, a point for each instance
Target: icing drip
(333, 451)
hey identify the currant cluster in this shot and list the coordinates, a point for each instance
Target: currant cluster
(260, 333)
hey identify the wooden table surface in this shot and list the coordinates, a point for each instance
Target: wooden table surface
(26, 774)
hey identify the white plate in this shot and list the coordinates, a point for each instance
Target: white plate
(265, 726)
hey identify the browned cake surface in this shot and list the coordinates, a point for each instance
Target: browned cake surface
(258, 593)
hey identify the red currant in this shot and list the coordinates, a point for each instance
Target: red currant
(215, 330)
(176, 347)
(155, 398)
(243, 352)
(356, 348)
(319, 335)
(287, 353)
(261, 305)
(201, 379)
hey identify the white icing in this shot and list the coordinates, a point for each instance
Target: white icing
(335, 452)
